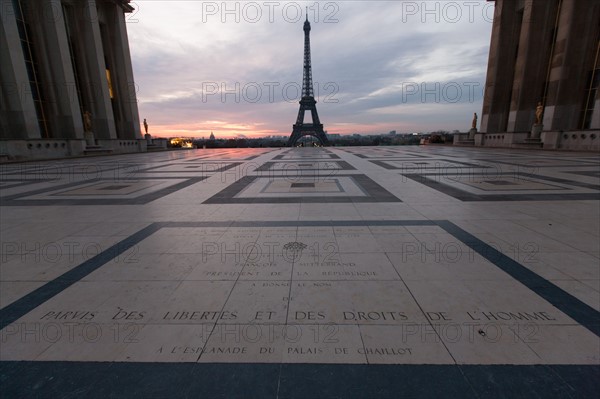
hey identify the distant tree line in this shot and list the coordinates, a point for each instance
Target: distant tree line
(436, 137)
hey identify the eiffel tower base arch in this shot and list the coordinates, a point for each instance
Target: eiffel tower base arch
(315, 131)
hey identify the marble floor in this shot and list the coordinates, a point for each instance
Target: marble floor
(312, 272)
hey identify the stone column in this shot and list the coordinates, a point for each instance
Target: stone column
(18, 117)
(124, 71)
(498, 86)
(531, 67)
(95, 79)
(572, 62)
(56, 71)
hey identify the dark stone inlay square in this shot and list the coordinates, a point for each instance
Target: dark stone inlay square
(586, 173)
(12, 183)
(543, 162)
(204, 167)
(430, 181)
(17, 199)
(373, 193)
(305, 157)
(115, 187)
(433, 163)
(303, 185)
(500, 182)
(318, 165)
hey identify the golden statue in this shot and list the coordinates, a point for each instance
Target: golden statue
(87, 121)
(474, 124)
(539, 112)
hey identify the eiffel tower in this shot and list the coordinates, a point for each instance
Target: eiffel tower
(307, 103)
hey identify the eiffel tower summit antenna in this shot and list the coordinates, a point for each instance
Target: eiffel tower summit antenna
(307, 102)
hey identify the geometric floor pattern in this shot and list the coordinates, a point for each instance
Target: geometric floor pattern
(336, 272)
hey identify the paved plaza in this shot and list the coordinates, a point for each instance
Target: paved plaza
(366, 272)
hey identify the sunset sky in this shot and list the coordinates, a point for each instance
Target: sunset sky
(235, 68)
